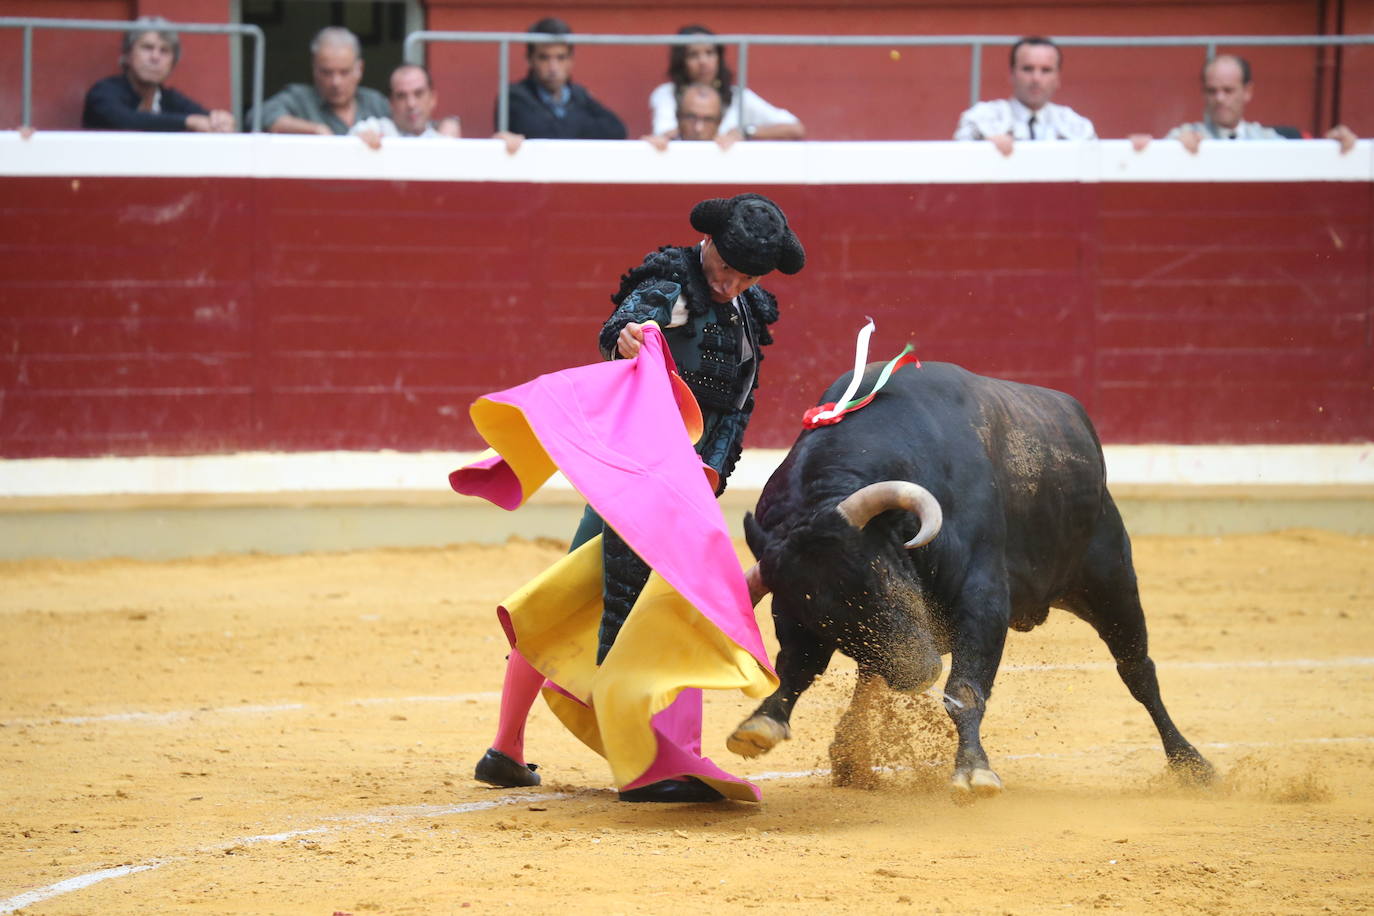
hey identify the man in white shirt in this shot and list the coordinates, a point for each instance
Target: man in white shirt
(1028, 114)
(413, 101)
(1227, 87)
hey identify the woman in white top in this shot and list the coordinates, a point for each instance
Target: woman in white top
(705, 63)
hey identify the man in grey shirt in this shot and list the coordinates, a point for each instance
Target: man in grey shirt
(1227, 87)
(335, 102)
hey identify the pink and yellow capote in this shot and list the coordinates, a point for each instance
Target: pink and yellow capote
(622, 434)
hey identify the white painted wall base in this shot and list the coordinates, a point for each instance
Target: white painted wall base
(160, 508)
(404, 475)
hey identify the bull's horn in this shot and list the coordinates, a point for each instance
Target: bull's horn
(757, 587)
(859, 507)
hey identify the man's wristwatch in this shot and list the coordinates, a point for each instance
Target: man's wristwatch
(750, 130)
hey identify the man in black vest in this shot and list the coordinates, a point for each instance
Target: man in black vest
(546, 105)
(715, 319)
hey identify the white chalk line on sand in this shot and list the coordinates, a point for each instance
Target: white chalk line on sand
(415, 812)
(181, 715)
(1087, 752)
(387, 816)
(80, 882)
(1355, 661)
(164, 718)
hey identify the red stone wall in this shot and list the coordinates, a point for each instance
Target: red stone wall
(180, 316)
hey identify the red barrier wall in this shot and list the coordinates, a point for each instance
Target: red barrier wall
(192, 315)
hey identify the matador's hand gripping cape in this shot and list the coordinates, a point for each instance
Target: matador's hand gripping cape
(619, 431)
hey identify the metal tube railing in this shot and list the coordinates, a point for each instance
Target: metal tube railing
(976, 43)
(28, 24)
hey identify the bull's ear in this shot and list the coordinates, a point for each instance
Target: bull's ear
(754, 536)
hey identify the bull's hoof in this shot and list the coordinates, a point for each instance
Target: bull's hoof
(1193, 769)
(979, 782)
(757, 735)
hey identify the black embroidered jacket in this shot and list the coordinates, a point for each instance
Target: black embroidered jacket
(717, 351)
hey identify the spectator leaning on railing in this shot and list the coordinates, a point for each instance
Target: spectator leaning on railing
(413, 100)
(335, 102)
(705, 63)
(1028, 114)
(546, 105)
(699, 112)
(1227, 87)
(137, 99)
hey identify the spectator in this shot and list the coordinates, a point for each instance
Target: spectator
(699, 112)
(705, 63)
(1227, 88)
(413, 101)
(546, 105)
(1028, 114)
(137, 99)
(335, 102)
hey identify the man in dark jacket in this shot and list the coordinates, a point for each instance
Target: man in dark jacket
(137, 99)
(545, 105)
(715, 319)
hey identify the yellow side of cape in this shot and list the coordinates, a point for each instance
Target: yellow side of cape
(664, 647)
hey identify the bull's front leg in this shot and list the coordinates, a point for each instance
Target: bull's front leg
(801, 659)
(980, 635)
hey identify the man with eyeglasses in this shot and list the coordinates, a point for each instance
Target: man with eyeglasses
(699, 111)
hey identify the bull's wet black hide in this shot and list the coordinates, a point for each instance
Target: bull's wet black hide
(1028, 525)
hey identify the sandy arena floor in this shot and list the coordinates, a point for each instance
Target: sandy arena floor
(261, 734)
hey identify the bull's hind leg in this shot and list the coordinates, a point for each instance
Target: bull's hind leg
(801, 659)
(1110, 600)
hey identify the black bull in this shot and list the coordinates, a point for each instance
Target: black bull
(949, 509)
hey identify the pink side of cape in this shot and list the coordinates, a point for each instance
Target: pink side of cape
(490, 478)
(613, 431)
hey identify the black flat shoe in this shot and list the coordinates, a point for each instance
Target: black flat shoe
(673, 790)
(496, 769)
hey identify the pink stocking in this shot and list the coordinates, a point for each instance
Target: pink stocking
(517, 696)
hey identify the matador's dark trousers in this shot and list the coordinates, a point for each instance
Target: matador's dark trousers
(623, 577)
